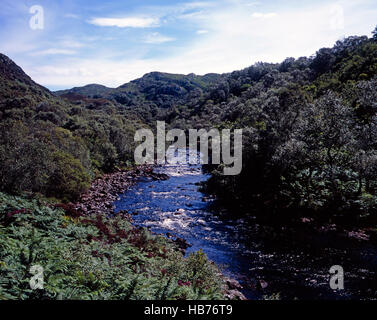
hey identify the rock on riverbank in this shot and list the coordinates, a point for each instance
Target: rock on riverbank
(104, 191)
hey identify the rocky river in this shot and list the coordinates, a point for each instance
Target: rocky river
(268, 264)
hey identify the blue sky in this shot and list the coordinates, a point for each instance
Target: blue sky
(113, 42)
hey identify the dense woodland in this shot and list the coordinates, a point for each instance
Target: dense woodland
(309, 149)
(309, 128)
(310, 135)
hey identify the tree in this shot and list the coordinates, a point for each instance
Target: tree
(69, 178)
(323, 61)
(374, 33)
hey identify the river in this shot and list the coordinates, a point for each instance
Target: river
(176, 207)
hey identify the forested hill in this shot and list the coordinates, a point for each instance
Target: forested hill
(309, 129)
(154, 93)
(53, 147)
(309, 125)
(16, 85)
(89, 91)
(310, 135)
(152, 86)
(191, 100)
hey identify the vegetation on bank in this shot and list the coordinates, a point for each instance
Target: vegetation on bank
(310, 136)
(94, 257)
(53, 147)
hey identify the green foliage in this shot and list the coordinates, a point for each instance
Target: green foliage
(50, 145)
(22, 166)
(309, 128)
(374, 33)
(94, 258)
(69, 178)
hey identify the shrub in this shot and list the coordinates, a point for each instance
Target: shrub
(69, 178)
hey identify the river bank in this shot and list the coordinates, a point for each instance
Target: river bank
(100, 197)
(290, 262)
(256, 260)
(105, 191)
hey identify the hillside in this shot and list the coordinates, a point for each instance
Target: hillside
(90, 91)
(163, 89)
(18, 90)
(151, 96)
(77, 142)
(310, 129)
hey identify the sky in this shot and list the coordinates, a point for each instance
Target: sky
(67, 43)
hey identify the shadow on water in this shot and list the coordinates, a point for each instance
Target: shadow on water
(176, 207)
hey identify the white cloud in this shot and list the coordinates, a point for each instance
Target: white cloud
(197, 4)
(195, 15)
(157, 38)
(128, 22)
(71, 16)
(252, 4)
(337, 17)
(202, 31)
(264, 15)
(54, 51)
(71, 44)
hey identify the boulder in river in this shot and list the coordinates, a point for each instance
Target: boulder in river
(182, 243)
(233, 283)
(235, 295)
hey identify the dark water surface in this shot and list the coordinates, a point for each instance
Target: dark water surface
(176, 206)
